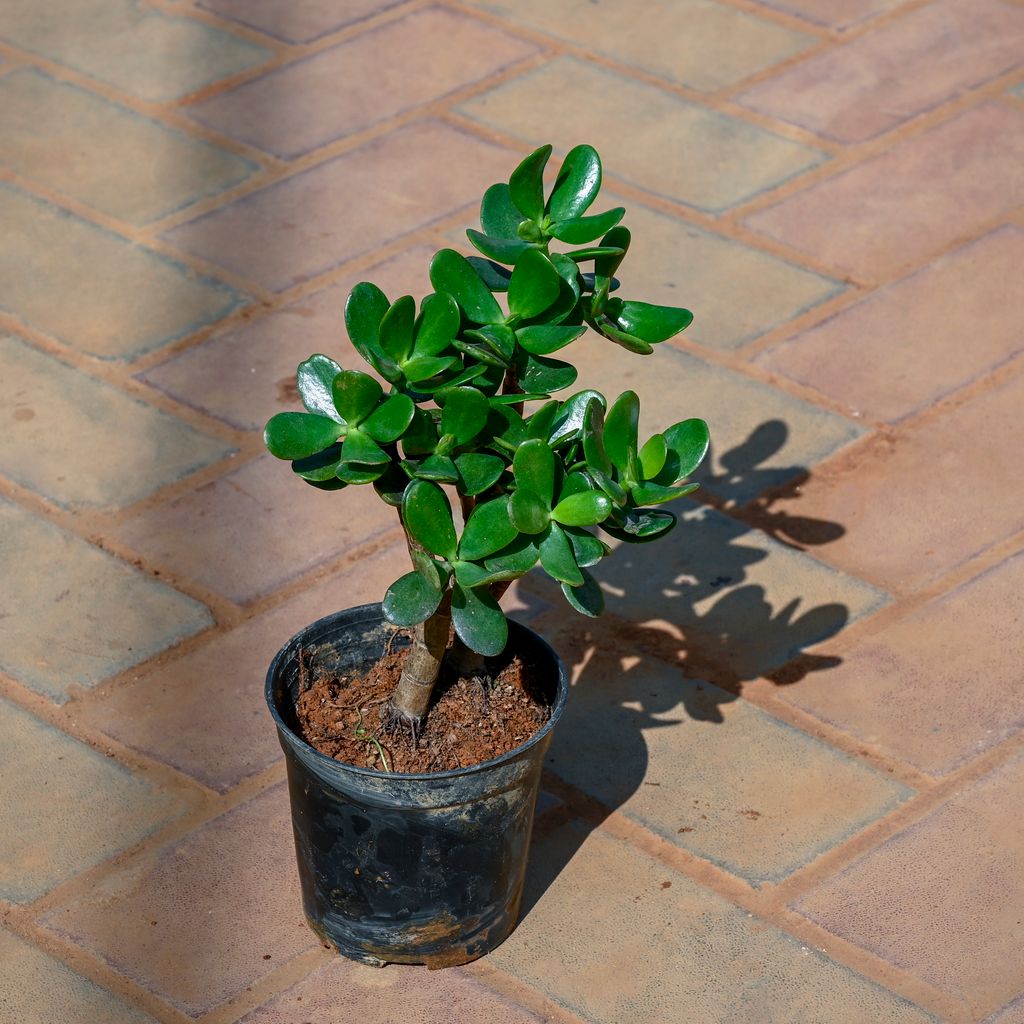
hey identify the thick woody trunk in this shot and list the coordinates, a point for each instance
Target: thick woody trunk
(411, 698)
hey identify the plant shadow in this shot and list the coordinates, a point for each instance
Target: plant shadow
(689, 620)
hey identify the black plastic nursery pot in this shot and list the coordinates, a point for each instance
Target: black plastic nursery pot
(402, 868)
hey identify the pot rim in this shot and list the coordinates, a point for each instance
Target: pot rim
(556, 709)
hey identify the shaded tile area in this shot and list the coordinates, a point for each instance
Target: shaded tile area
(938, 688)
(171, 921)
(924, 504)
(895, 72)
(711, 773)
(135, 48)
(124, 164)
(180, 713)
(81, 442)
(839, 14)
(741, 603)
(261, 527)
(440, 52)
(910, 343)
(685, 947)
(1013, 1014)
(677, 264)
(761, 436)
(126, 300)
(942, 899)
(911, 200)
(696, 43)
(72, 615)
(299, 21)
(66, 808)
(245, 375)
(415, 995)
(307, 224)
(36, 989)
(647, 135)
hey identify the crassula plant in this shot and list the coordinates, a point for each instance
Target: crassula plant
(471, 407)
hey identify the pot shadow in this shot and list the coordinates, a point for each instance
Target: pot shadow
(689, 620)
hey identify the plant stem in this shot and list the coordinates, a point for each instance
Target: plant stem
(412, 695)
(510, 386)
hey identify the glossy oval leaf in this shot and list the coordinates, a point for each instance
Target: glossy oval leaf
(464, 413)
(620, 337)
(357, 473)
(586, 548)
(424, 368)
(653, 455)
(499, 216)
(297, 435)
(391, 484)
(427, 516)
(436, 325)
(478, 471)
(588, 508)
(539, 424)
(655, 494)
(488, 530)
(450, 272)
(439, 468)
(653, 323)
(578, 230)
(618, 238)
(599, 465)
(361, 448)
(396, 328)
(504, 250)
(529, 512)
(542, 339)
(410, 600)
(557, 559)
(364, 310)
(534, 285)
(479, 623)
(494, 276)
(592, 252)
(516, 558)
(499, 338)
(482, 353)
(688, 443)
(319, 467)
(421, 435)
(587, 598)
(356, 395)
(390, 419)
(543, 374)
(641, 525)
(313, 380)
(568, 424)
(577, 183)
(526, 185)
(620, 430)
(534, 469)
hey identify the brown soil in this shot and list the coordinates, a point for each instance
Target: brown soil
(471, 720)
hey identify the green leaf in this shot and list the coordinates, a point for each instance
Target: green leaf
(529, 512)
(518, 398)
(526, 185)
(464, 413)
(655, 494)
(421, 436)
(598, 464)
(627, 341)
(451, 273)
(588, 598)
(296, 435)
(396, 329)
(620, 430)
(482, 353)
(313, 380)
(534, 468)
(588, 508)
(586, 548)
(688, 443)
(653, 323)
(499, 216)
(357, 473)
(479, 623)
(319, 467)
(577, 183)
(547, 375)
(364, 311)
(539, 424)
(534, 284)
(390, 419)
(592, 252)
(504, 250)
(439, 468)
(488, 530)
(556, 557)
(361, 448)
(410, 600)
(356, 395)
(506, 424)
(568, 424)
(436, 325)
(576, 482)
(495, 277)
(469, 574)
(577, 230)
(653, 456)
(478, 471)
(618, 238)
(640, 525)
(517, 558)
(499, 338)
(428, 518)
(541, 339)
(423, 368)
(390, 485)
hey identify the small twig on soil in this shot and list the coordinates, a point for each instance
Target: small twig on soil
(362, 733)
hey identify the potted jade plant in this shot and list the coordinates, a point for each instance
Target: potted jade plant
(414, 730)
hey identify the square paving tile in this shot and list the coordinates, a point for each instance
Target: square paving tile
(711, 773)
(595, 901)
(137, 49)
(299, 21)
(123, 164)
(36, 989)
(938, 688)
(935, 498)
(346, 89)
(693, 42)
(886, 76)
(647, 136)
(761, 437)
(312, 222)
(245, 375)
(942, 900)
(838, 14)
(196, 921)
(66, 808)
(903, 347)
(95, 291)
(81, 442)
(910, 201)
(72, 615)
(256, 529)
(1012, 1014)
